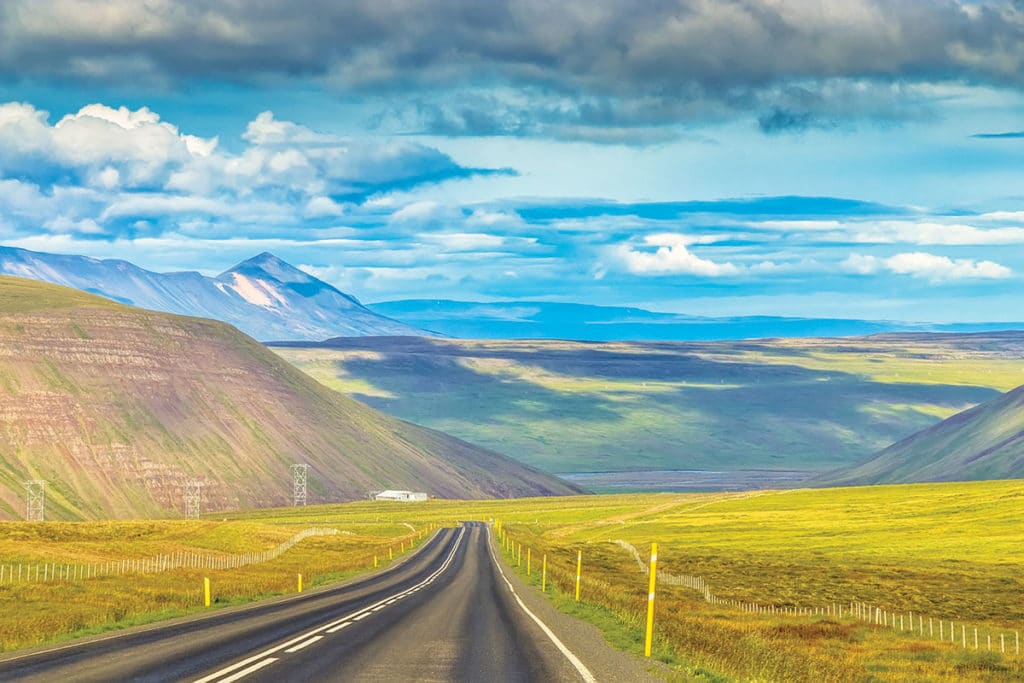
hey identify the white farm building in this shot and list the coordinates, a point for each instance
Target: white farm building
(407, 496)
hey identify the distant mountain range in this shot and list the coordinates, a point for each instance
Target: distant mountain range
(984, 442)
(545, 320)
(117, 407)
(264, 297)
(272, 300)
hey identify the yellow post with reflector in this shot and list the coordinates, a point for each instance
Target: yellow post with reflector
(529, 565)
(374, 561)
(206, 591)
(579, 572)
(544, 574)
(650, 600)
(300, 583)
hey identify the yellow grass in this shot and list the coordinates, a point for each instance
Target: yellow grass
(945, 551)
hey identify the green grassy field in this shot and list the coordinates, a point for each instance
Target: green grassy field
(942, 551)
(802, 404)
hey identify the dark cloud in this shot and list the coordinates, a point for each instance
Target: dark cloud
(1000, 136)
(781, 120)
(584, 65)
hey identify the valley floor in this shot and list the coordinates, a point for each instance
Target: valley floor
(776, 406)
(772, 569)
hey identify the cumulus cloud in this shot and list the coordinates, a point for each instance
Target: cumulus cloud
(321, 207)
(589, 66)
(924, 231)
(927, 266)
(97, 146)
(671, 257)
(124, 171)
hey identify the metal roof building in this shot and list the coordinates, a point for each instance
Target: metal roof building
(407, 496)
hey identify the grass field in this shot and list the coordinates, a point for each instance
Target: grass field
(942, 551)
(797, 404)
(34, 613)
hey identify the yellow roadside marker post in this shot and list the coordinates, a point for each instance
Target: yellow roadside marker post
(206, 591)
(529, 571)
(650, 599)
(579, 572)
(544, 574)
(374, 561)
(391, 554)
(519, 556)
(300, 583)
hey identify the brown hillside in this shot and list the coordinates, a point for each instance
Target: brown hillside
(116, 407)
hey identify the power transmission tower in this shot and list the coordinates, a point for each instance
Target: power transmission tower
(193, 498)
(299, 472)
(35, 502)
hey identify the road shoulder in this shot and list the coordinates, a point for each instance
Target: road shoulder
(583, 639)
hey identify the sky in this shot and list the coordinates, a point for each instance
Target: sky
(841, 158)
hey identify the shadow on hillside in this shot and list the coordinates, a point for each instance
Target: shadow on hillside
(430, 382)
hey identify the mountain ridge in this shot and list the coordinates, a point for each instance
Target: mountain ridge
(116, 407)
(263, 296)
(526, 319)
(982, 442)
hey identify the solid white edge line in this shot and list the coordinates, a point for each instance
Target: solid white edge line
(350, 617)
(300, 646)
(573, 659)
(339, 627)
(252, 669)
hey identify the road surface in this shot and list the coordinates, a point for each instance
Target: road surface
(450, 613)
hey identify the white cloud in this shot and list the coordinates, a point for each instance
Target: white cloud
(861, 264)
(921, 233)
(672, 257)
(932, 267)
(322, 207)
(104, 170)
(933, 233)
(103, 145)
(937, 268)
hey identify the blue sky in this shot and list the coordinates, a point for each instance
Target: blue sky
(856, 158)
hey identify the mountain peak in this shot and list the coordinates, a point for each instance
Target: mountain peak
(265, 257)
(264, 261)
(263, 296)
(268, 265)
(264, 270)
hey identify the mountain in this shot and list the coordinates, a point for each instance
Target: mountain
(264, 296)
(725, 414)
(116, 407)
(984, 442)
(547, 320)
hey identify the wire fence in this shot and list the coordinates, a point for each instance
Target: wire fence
(59, 571)
(966, 635)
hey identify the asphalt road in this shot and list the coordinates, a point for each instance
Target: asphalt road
(447, 614)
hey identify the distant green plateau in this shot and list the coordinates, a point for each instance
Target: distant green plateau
(787, 404)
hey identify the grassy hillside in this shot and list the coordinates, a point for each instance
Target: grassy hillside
(798, 404)
(985, 442)
(116, 407)
(941, 551)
